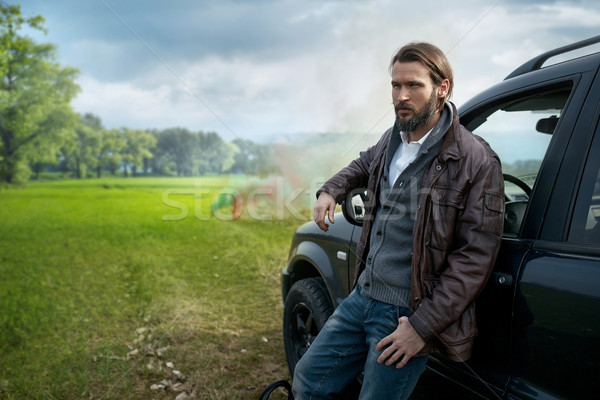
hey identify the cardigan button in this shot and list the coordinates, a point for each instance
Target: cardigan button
(438, 167)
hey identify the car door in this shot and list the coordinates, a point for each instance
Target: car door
(556, 327)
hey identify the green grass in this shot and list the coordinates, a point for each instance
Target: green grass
(100, 288)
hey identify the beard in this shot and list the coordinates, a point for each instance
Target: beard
(419, 119)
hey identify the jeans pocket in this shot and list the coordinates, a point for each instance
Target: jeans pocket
(402, 312)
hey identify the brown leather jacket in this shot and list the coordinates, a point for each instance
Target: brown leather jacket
(456, 234)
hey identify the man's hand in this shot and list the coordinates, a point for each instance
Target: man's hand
(325, 205)
(403, 343)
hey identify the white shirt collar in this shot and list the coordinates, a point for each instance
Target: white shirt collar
(406, 137)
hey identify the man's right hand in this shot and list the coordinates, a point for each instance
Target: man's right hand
(325, 205)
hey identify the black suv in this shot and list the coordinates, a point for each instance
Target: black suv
(539, 316)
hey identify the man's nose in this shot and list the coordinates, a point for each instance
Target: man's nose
(402, 95)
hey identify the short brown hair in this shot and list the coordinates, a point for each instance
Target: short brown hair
(432, 58)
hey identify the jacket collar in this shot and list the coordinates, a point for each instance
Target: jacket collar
(452, 147)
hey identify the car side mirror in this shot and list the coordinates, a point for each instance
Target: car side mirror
(353, 207)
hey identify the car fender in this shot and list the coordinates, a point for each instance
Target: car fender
(311, 260)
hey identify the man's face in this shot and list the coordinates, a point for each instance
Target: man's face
(414, 95)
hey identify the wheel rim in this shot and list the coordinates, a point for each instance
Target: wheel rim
(304, 328)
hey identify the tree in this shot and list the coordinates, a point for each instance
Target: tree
(35, 92)
(88, 144)
(209, 152)
(92, 121)
(138, 146)
(226, 157)
(47, 149)
(253, 159)
(176, 147)
(106, 148)
(110, 151)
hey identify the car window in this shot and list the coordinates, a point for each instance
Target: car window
(585, 227)
(520, 130)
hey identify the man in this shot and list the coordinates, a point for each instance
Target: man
(432, 230)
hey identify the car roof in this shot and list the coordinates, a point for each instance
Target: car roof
(536, 63)
(533, 72)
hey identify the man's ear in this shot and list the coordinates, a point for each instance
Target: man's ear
(443, 88)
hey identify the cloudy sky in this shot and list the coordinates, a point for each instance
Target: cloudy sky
(265, 69)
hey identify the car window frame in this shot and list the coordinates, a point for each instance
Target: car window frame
(541, 191)
(559, 214)
(590, 167)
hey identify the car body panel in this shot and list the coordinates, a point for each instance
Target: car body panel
(317, 253)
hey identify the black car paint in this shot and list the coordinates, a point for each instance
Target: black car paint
(539, 316)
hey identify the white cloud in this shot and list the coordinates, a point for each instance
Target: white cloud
(512, 58)
(564, 14)
(123, 104)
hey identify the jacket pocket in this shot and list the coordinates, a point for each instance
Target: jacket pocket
(446, 203)
(447, 197)
(493, 219)
(429, 285)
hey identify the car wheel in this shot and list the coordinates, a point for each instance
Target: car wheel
(307, 308)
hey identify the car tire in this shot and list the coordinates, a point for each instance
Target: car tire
(307, 307)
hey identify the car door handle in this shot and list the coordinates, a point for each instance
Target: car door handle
(502, 279)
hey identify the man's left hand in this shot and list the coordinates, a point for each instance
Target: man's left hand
(403, 343)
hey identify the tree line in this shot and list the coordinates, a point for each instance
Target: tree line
(90, 150)
(39, 130)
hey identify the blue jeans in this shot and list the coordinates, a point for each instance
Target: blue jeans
(346, 346)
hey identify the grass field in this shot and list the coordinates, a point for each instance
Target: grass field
(109, 290)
